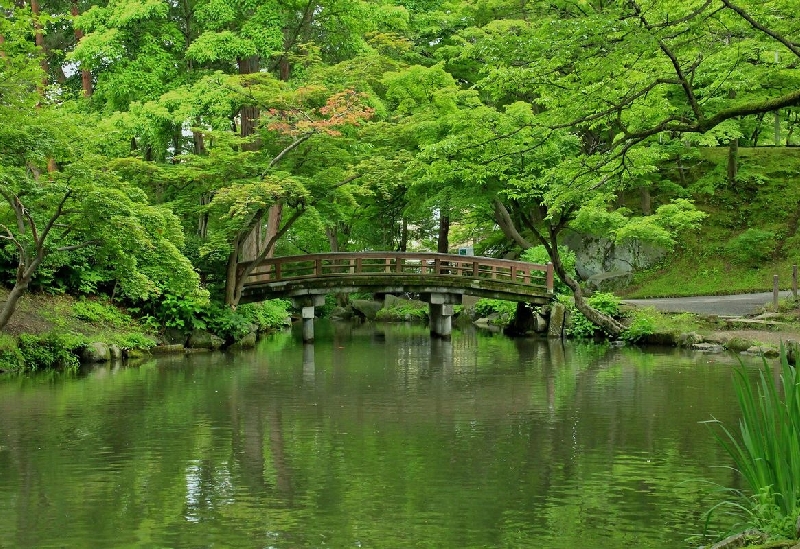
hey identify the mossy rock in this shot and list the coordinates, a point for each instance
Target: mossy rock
(200, 339)
(96, 351)
(247, 342)
(738, 344)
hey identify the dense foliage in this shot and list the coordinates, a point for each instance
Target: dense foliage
(155, 146)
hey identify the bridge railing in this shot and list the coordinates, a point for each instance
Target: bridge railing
(388, 263)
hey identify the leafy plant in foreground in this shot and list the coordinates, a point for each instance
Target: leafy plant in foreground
(767, 450)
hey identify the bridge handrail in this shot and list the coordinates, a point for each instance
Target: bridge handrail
(341, 264)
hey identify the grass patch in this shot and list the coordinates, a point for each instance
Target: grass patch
(646, 321)
(688, 276)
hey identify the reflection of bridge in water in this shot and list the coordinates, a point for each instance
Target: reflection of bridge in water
(440, 279)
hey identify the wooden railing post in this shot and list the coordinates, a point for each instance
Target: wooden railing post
(437, 266)
(549, 278)
(775, 291)
(277, 270)
(358, 265)
(398, 266)
(318, 266)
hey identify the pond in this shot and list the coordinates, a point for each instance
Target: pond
(375, 436)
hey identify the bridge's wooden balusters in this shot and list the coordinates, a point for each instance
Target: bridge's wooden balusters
(386, 263)
(441, 279)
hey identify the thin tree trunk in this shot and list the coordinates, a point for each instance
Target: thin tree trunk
(205, 199)
(333, 239)
(39, 39)
(605, 322)
(231, 274)
(443, 242)
(598, 318)
(86, 76)
(403, 246)
(10, 305)
(733, 161)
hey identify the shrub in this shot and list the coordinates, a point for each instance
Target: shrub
(752, 246)
(644, 322)
(10, 358)
(52, 351)
(647, 321)
(486, 307)
(580, 326)
(403, 310)
(767, 449)
(233, 325)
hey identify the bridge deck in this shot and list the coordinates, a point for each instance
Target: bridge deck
(396, 272)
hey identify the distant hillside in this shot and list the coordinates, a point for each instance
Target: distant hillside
(751, 232)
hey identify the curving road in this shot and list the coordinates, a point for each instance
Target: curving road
(724, 305)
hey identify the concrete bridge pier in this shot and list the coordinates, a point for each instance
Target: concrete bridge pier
(306, 304)
(440, 313)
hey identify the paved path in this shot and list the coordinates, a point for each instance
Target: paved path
(725, 305)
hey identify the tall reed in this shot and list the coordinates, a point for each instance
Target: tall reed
(767, 450)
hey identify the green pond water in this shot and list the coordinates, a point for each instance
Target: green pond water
(375, 436)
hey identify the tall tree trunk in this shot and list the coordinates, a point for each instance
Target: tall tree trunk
(403, 245)
(443, 242)
(646, 200)
(333, 238)
(86, 76)
(231, 274)
(205, 199)
(39, 39)
(733, 161)
(253, 243)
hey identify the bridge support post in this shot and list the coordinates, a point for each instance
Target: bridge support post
(440, 313)
(308, 324)
(441, 320)
(306, 304)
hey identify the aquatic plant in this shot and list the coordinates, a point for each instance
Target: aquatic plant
(767, 449)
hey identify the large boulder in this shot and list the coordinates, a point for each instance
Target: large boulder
(601, 255)
(366, 308)
(609, 281)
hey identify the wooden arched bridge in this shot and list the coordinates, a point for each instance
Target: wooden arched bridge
(440, 279)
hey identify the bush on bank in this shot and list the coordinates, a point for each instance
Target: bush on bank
(52, 332)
